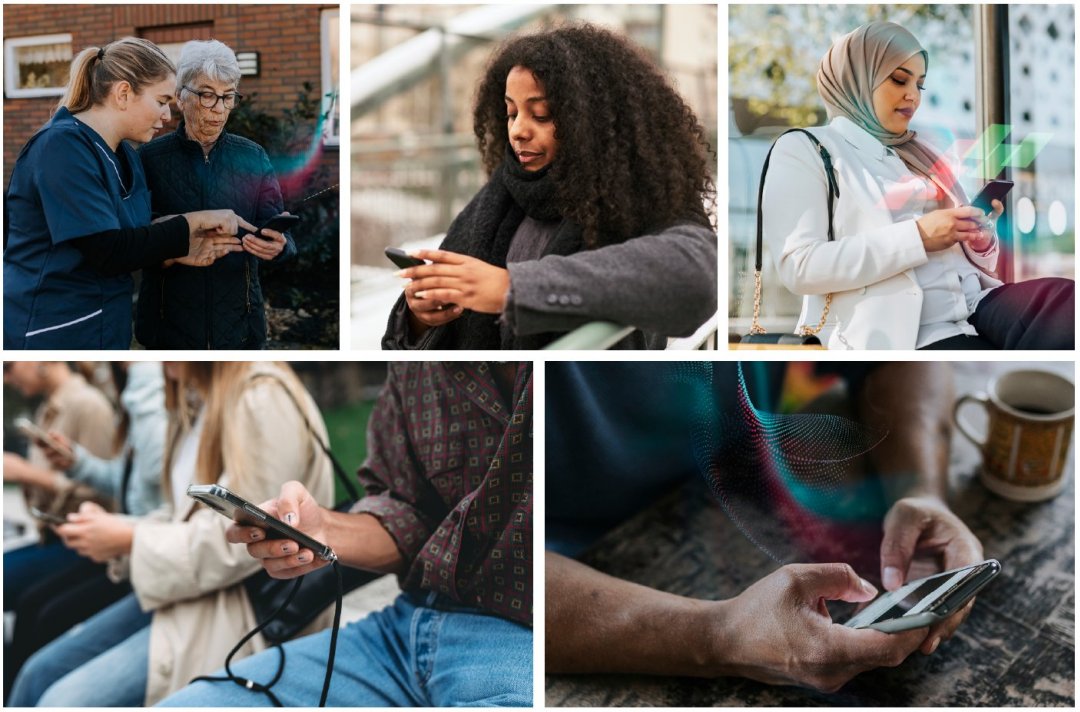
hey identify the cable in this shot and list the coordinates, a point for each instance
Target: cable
(230, 676)
(333, 637)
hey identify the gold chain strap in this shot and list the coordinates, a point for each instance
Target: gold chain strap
(757, 328)
(815, 330)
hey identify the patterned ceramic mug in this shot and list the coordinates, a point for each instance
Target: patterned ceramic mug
(1028, 434)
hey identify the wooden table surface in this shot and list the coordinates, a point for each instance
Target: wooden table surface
(1017, 647)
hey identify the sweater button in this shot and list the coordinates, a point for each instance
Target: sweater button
(564, 299)
(553, 299)
(576, 300)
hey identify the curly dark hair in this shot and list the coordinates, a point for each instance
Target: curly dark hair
(632, 155)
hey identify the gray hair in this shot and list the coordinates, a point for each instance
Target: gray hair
(206, 58)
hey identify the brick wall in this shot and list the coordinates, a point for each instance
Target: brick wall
(287, 38)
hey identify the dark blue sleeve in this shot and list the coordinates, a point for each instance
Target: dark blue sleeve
(76, 194)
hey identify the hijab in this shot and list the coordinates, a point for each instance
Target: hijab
(850, 72)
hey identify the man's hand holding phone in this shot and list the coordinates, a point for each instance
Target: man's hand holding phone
(283, 558)
(925, 526)
(778, 631)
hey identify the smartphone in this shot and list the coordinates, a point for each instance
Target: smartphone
(243, 512)
(994, 190)
(925, 601)
(403, 260)
(46, 517)
(38, 435)
(280, 223)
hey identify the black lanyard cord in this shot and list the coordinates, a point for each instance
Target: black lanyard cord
(333, 636)
(230, 676)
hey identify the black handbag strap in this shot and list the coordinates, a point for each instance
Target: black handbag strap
(830, 177)
(354, 494)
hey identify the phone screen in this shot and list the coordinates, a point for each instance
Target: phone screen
(927, 595)
(907, 597)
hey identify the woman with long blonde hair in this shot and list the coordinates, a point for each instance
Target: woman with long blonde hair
(248, 426)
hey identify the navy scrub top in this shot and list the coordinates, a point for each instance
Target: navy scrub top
(67, 184)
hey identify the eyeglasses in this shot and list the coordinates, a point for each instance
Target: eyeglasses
(209, 99)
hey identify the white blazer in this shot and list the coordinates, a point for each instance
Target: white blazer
(869, 267)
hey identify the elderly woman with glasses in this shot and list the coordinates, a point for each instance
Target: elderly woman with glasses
(201, 165)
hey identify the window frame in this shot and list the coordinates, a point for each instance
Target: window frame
(332, 125)
(11, 65)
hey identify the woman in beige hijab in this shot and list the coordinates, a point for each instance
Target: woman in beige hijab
(912, 264)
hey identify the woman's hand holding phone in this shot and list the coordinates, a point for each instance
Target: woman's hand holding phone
(96, 534)
(269, 245)
(941, 229)
(283, 558)
(987, 227)
(60, 458)
(457, 279)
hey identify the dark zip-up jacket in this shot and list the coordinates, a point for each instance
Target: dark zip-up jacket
(220, 306)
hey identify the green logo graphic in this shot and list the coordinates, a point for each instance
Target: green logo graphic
(991, 154)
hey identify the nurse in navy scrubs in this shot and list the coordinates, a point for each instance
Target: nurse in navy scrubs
(78, 209)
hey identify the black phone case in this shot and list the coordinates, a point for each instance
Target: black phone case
(280, 223)
(402, 260)
(996, 190)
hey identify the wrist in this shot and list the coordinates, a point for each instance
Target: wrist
(923, 234)
(720, 646)
(690, 637)
(127, 539)
(417, 328)
(981, 246)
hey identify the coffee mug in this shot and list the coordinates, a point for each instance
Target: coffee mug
(1028, 434)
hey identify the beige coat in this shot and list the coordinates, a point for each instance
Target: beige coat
(83, 414)
(182, 568)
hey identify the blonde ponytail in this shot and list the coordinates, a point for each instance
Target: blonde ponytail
(95, 69)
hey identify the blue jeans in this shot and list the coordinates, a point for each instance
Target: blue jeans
(99, 663)
(28, 564)
(408, 654)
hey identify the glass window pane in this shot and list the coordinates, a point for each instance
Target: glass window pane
(1041, 98)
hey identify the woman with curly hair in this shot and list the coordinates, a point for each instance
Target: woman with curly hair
(597, 206)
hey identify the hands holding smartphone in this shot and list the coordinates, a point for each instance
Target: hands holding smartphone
(284, 558)
(268, 241)
(56, 447)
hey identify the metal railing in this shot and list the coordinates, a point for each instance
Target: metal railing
(600, 335)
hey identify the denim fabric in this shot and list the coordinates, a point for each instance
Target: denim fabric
(27, 564)
(404, 655)
(99, 663)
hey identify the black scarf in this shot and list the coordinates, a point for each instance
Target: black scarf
(484, 230)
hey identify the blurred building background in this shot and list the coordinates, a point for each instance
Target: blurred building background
(774, 52)
(281, 48)
(415, 70)
(288, 56)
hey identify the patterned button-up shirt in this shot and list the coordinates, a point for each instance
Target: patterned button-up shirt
(449, 476)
